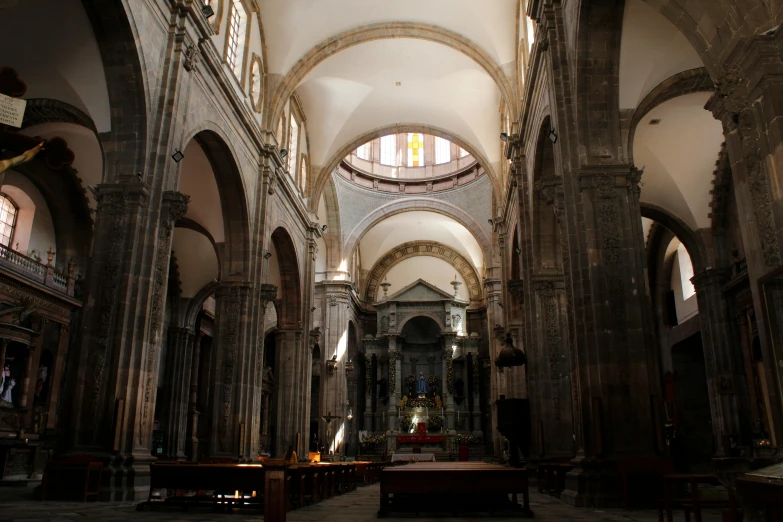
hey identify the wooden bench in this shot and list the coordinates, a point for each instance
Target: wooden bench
(232, 485)
(454, 487)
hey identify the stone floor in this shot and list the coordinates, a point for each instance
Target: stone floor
(16, 505)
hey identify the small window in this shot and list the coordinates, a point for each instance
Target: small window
(255, 85)
(237, 31)
(363, 152)
(389, 150)
(303, 174)
(462, 152)
(442, 151)
(7, 220)
(293, 146)
(415, 150)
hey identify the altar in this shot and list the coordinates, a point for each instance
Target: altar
(407, 457)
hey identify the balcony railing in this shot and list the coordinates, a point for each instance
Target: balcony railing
(38, 272)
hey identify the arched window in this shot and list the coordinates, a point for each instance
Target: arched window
(7, 220)
(303, 173)
(442, 151)
(389, 150)
(293, 146)
(462, 152)
(415, 150)
(686, 272)
(255, 84)
(237, 30)
(363, 152)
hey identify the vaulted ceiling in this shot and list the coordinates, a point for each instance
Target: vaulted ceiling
(402, 62)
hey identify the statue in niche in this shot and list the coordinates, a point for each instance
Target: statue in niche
(43, 373)
(385, 324)
(455, 321)
(421, 385)
(6, 399)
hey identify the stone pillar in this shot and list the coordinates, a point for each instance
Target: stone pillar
(231, 363)
(334, 384)
(748, 102)
(724, 376)
(447, 362)
(179, 353)
(251, 378)
(614, 348)
(195, 370)
(290, 389)
(395, 383)
(57, 373)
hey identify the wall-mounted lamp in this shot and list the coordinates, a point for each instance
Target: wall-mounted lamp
(490, 222)
(323, 228)
(267, 255)
(517, 250)
(349, 367)
(207, 11)
(349, 416)
(500, 304)
(552, 136)
(283, 153)
(504, 136)
(331, 364)
(312, 309)
(177, 156)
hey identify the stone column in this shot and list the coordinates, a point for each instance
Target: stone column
(31, 371)
(448, 381)
(290, 389)
(177, 391)
(395, 383)
(748, 102)
(251, 378)
(57, 373)
(615, 347)
(334, 384)
(724, 376)
(230, 361)
(195, 370)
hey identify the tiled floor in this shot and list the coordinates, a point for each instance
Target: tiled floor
(362, 504)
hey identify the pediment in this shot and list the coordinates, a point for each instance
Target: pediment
(420, 290)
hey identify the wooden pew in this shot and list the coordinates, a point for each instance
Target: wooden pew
(454, 487)
(230, 483)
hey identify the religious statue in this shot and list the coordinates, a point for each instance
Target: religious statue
(384, 324)
(421, 386)
(6, 399)
(43, 373)
(18, 160)
(4, 375)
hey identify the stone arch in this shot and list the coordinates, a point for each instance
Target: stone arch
(333, 235)
(290, 307)
(423, 204)
(422, 248)
(117, 41)
(687, 236)
(547, 187)
(379, 31)
(325, 174)
(685, 82)
(235, 255)
(429, 315)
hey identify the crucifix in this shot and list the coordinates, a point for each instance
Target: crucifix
(22, 148)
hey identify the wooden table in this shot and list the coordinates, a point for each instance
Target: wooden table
(693, 502)
(453, 487)
(766, 493)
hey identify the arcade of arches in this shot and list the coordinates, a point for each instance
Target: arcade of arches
(259, 229)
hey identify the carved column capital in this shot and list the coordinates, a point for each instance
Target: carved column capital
(711, 278)
(516, 288)
(266, 293)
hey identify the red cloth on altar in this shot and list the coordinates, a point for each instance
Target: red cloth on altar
(407, 439)
(421, 428)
